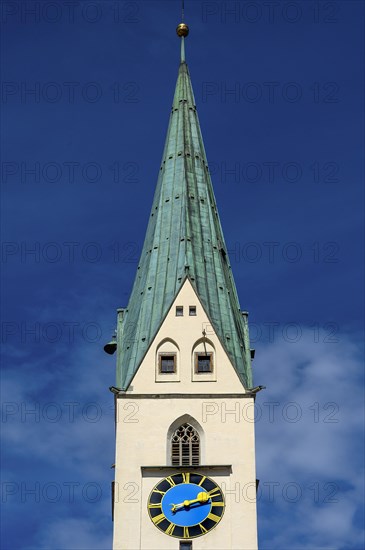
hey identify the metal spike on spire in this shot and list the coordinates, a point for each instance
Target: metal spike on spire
(182, 31)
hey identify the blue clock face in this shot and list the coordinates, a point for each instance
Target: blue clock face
(186, 514)
(186, 505)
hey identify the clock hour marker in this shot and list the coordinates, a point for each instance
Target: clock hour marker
(202, 480)
(186, 533)
(171, 481)
(203, 529)
(186, 477)
(159, 505)
(170, 529)
(159, 492)
(157, 519)
(217, 504)
(213, 517)
(214, 492)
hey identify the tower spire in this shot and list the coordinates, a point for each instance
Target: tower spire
(184, 239)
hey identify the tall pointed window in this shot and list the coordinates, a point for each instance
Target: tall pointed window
(185, 446)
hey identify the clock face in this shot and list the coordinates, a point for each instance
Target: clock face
(186, 505)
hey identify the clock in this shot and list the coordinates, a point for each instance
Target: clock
(186, 505)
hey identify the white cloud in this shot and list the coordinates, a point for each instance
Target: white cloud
(322, 447)
(75, 534)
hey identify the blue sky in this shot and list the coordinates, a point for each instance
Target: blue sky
(279, 89)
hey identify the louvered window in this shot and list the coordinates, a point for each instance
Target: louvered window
(203, 362)
(185, 446)
(167, 363)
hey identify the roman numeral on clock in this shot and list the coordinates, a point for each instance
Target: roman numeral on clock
(202, 480)
(170, 529)
(157, 519)
(171, 481)
(214, 492)
(186, 477)
(213, 517)
(159, 492)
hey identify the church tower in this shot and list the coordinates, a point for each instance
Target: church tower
(185, 452)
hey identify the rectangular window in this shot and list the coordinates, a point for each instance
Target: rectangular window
(192, 310)
(179, 311)
(186, 545)
(204, 362)
(167, 363)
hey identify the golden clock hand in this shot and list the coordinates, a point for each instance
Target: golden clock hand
(180, 505)
(175, 507)
(202, 497)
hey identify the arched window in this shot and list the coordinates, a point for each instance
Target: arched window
(185, 446)
(167, 361)
(204, 368)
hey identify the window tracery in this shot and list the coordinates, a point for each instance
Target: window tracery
(185, 446)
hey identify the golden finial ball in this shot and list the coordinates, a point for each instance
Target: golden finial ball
(182, 30)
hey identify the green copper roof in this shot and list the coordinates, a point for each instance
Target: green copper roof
(184, 239)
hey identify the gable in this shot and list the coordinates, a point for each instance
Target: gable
(187, 337)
